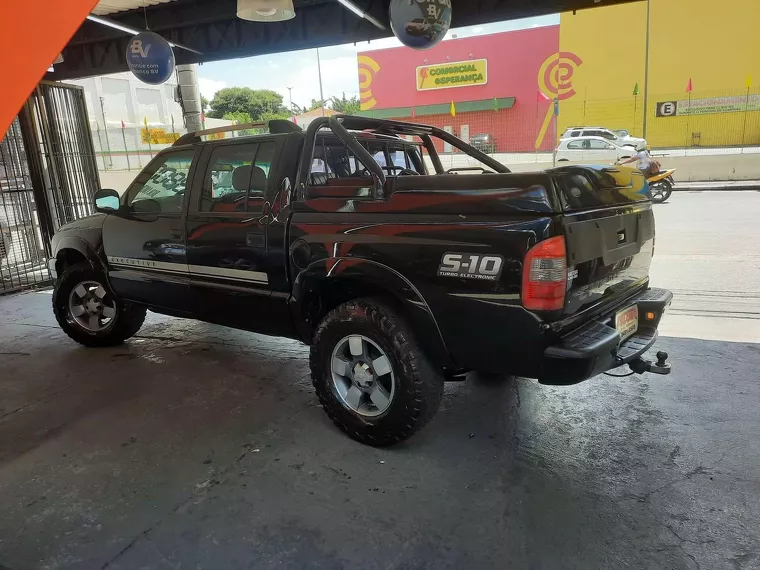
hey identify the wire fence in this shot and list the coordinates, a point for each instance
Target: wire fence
(716, 118)
(131, 147)
(22, 249)
(713, 119)
(525, 131)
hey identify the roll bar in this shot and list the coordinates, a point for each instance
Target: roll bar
(340, 125)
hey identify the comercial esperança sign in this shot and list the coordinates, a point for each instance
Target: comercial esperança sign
(452, 74)
(710, 106)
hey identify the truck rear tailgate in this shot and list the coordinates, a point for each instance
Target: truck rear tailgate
(609, 232)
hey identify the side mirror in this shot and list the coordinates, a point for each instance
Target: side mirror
(107, 201)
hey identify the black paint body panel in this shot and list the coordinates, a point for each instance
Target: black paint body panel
(302, 251)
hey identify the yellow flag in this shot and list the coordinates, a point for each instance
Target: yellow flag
(453, 109)
(748, 84)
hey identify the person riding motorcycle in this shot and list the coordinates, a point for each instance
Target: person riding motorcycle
(644, 161)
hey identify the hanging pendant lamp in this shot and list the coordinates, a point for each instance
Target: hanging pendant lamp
(265, 10)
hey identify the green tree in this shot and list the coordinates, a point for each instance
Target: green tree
(255, 102)
(240, 117)
(204, 103)
(270, 116)
(346, 106)
(317, 104)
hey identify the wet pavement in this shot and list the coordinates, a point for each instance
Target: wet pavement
(195, 446)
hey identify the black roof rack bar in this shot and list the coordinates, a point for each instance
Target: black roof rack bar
(195, 136)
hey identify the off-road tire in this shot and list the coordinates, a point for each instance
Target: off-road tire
(128, 320)
(667, 191)
(419, 386)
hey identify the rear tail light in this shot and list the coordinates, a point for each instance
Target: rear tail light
(545, 276)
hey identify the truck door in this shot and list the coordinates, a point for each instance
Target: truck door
(227, 235)
(145, 245)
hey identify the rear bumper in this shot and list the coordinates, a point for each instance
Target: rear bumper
(596, 346)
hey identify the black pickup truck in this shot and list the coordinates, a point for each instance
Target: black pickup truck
(353, 238)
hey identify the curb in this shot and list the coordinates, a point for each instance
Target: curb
(717, 188)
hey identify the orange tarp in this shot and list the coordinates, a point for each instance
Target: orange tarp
(33, 33)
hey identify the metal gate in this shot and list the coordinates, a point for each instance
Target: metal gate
(47, 178)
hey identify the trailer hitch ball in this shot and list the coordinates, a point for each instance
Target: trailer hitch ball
(639, 365)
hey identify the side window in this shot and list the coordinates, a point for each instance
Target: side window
(160, 188)
(575, 133)
(607, 135)
(575, 145)
(596, 144)
(378, 153)
(337, 173)
(264, 158)
(227, 177)
(399, 158)
(236, 178)
(414, 158)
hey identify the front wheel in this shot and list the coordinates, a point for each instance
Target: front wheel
(661, 191)
(370, 375)
(89, 313)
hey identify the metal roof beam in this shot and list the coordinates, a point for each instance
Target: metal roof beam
(211, 27)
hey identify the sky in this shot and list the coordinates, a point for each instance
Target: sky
(339, 70)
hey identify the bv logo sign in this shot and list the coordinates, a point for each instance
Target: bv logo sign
(138, 49)
(150, 58)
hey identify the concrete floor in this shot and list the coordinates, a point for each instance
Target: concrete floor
(194, 446)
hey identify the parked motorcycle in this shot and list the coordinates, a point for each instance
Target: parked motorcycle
(661, 185)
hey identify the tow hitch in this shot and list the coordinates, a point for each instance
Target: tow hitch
(639, 366)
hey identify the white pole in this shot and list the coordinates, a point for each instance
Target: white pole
(321, 94)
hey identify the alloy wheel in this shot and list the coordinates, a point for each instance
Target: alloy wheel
(91, 308)
(362, 376)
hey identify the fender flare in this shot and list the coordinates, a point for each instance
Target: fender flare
(84, 247)
(376, 277)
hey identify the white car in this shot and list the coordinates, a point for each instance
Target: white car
(614, 137)
(592, 149)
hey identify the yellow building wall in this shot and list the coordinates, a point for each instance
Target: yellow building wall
(718, 48)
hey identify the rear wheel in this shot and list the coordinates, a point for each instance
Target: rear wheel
(370, 375)
(661, 191)
(89, 313)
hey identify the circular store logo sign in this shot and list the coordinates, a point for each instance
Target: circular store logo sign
(420, 24)
(667, 109)
(150, 58)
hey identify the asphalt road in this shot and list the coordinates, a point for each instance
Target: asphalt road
(194, 446)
